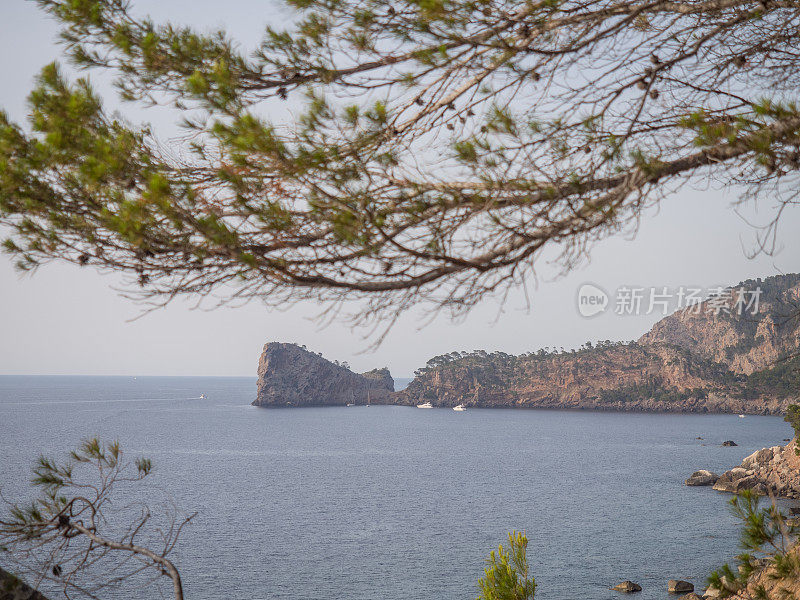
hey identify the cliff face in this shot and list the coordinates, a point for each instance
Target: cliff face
(616, 377)
(697, 360)
(745, 343)
(289, 375)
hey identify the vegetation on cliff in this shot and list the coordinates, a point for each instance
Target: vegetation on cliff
(781, 380)
(507, 576)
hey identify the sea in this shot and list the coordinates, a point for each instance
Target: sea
(395, 503)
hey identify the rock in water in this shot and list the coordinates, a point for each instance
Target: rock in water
(729, 443)
(289, 375)
(627, 587)
(678, 586)
(738, 479)
(702, 477)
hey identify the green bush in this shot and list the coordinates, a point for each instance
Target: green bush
(506, 574)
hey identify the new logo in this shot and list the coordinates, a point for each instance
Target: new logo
(592, 300)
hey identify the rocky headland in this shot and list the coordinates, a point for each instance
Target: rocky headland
(695, 360)
(290, 375)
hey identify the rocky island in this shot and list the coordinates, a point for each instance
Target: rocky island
(695, 360)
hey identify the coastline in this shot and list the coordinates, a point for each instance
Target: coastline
(568, 408)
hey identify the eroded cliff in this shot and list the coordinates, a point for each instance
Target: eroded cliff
(748, 342)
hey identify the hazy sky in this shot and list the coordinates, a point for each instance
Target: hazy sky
(66, 320)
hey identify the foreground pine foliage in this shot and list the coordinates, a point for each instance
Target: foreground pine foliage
(398, 152)
(83, 533)
(769, 567)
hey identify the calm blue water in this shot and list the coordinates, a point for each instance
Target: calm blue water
(398, 503)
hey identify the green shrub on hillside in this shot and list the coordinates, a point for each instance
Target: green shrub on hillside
(782, 380)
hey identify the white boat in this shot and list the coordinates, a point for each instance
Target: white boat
(350, 404)
(741, 416)
(202, 396)
(460, 408)
(425, 405)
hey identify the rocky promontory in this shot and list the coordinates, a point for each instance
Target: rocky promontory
(774, 470)
(291, 375)
(713, 357)
(608, 376)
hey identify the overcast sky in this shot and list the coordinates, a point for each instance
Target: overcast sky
(66, 320)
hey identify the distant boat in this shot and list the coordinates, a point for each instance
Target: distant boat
(202, 396)
(350, 404)
(460, 408)
(425, 405)
(741, 416)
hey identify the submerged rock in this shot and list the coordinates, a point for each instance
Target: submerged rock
(627, 587)
(702, 477)
(678, 586)
(729, 443)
